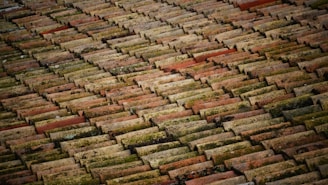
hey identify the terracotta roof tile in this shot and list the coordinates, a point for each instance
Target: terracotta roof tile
(252, 159)
(208, 139)
(15, 13)
(42, 126)
(318, 182)
(120, 45)
(136, 177)
(212, 178)
(42, 155)
(64, 167)
(46, 115)
(239, 40)
(281, 132)
(73, 133)
(278, 175)
(78, 176)
(99, 161)
(220, 16)
(308, 150)
(189, 169)
(232, 180)
(292, 114)
(90, 154)
(25, 179)
(234, 59)
(311, 136)
(72, 151)
(316, 162)
(88, 5)
(170, 159)
(304, 178)
(320, 23)
(253, 173)
(123, 172)
(6, 177)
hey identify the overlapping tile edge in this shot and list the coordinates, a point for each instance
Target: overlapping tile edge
(163, 92)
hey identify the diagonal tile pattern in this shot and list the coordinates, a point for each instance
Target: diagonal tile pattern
(163, 92)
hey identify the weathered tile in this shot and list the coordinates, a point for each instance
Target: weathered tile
(74, 176)
(229, 34)
(16, 133)
(233, 107)
(168, 26)
(171, 117)
(214, 103)
(308, 88)
(251, 174)
(276, 107)
(37, 168)
(175, 160)
(198, 137)
(20, 173)
(212, 178)
(233, 123)
(122, 127)
(84, 156)
(251, 129)
(212, 141)
(238, 145)
(73, 133)
(134, 177)
(189, 169)
(42, 126)
(281, 143)
(303, 178)
(109, 160)
(180, 129)
(290, 114)
(251, 4)
(230, 181)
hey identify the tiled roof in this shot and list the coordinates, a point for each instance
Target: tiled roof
(163, 92)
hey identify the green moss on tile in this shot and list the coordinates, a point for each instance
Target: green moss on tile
(220, 158)
(111, 161)
(293, 103)
(317, 4)
(12, 169)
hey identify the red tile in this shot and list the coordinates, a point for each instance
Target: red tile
(241, 167)
(214, 54)
(300, 138)
(273, 134)
(311, 147)
(14, 126)
(36, 110)
(59, 88)
(102, 110)
(57, 124)
(167, 167)
(181, 65)
(22, 180)
(162, 118)
(211, 178)
(21, 173)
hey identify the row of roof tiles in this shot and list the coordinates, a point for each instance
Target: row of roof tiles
(180, 123)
